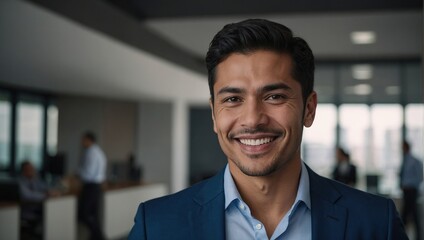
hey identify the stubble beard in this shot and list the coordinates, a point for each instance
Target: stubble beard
(275, 164)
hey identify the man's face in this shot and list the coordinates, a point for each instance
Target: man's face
(86, 142)
(258, 111)
(29, 171)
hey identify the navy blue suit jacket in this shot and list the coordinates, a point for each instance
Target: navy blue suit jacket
(338, 212)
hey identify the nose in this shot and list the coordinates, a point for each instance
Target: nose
(253, 115)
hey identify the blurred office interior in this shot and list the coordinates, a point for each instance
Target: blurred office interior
(132, 72)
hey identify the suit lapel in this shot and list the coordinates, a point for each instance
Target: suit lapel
(207, 217)
(328, 218)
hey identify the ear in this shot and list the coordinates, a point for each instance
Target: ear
(213, 115)
(310, 109)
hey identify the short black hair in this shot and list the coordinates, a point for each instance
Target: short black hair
(406, 146)
(344, 152)
(259, 34)
(90, 136)
(24, 164)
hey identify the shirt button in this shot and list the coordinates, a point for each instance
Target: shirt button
(258, 226)
(241, 206)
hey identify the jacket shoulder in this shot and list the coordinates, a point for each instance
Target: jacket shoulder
(177, 200)
(168, 217)
(367, 214)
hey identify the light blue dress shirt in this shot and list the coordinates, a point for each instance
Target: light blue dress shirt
(93, 165)
(412, 174)
(240, 224)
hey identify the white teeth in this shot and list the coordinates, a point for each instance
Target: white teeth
(256, 142)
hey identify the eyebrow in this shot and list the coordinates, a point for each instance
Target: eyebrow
(273, 87)
(230, 90)
(264, 89)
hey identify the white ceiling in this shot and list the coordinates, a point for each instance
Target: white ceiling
(399, 34)
(43, 50)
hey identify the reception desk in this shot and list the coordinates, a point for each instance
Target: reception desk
(120, 205)
(120, 202)
(9, 221)
(60, 221)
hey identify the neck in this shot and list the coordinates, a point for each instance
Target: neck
(269, 197)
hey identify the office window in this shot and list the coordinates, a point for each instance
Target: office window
(52, 129)
(386, 137)
(29, 133)
(354, 136)
(5, 116)
(320, 139)
(414, 123)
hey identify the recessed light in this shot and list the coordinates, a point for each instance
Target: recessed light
(360, 89)
(392, 90)
(362, 71)
(363, 37)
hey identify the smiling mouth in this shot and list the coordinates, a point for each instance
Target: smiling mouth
(256, 142)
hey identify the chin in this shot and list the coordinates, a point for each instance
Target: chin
(258, 170)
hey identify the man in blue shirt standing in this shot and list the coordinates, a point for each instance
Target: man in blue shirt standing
(411, 176)
(92, 173)
(261, 81)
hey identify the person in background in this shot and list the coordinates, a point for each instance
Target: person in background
(31, 187)
(411, 176)
(92, 174)
(33, 191)
(345, 171)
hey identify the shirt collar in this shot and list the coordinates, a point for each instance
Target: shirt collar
(303, 193)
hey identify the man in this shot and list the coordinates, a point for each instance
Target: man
(92, 173)
(32, 188)
(33, 191)
(261, 84)
(345, 171)
(411, 176)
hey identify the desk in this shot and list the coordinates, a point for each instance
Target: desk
(60, 220)
(9, 221)
(120, 206)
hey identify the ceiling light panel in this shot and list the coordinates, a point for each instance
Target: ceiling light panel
(359, 89)
(363, 37)
(362, 71)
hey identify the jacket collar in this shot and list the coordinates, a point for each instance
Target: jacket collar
(328, 218)
(207, 217)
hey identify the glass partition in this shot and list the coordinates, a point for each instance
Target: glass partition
(320, 139)
(5, 125)
(29, 133)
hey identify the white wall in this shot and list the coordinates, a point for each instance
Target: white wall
(154, 135)
(113, 121)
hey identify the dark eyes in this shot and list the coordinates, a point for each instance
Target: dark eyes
(276, 97)
(232, 99)
(272, 98)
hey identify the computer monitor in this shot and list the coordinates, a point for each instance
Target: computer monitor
(55, 165)
(9, 191)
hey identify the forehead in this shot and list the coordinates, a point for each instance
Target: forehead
(27, 166)
(255, 69)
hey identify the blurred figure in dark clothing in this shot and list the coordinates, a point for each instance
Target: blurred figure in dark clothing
(344, 171)
(411, 176)
(92, 172)
(33, 191)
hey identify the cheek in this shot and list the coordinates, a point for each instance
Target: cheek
(288, 117)
(224, 120)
